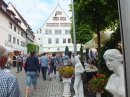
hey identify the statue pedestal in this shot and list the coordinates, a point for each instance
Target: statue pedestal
(98, 94)
(66, 82)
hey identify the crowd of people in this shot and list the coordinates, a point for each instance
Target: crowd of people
(46, 63)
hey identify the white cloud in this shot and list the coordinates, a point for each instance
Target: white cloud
(36, 12)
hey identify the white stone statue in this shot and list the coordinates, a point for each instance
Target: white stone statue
(78, 84)
(114, 62)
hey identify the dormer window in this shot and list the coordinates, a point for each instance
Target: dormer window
(12, 16)
(3, 7)
(19, 23)
(58, 13)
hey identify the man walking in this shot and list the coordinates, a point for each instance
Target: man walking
(31, 67)
(44, 64)
(8, 82)
(20, 60)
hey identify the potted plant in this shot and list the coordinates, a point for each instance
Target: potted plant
(66, 71)
(98, 83)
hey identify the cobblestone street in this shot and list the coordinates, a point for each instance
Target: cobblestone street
(46, 88)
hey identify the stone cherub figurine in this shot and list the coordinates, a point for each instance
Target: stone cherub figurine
(78, 84)
(114, 62)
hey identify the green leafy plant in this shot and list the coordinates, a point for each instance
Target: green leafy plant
(66, 70)
(98, 83)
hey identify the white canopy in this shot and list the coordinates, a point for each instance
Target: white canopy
(8, 49)
(104, 36)
(93, 43)
(90, 44)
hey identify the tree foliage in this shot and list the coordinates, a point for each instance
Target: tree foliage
(96, 14)
(30, 46)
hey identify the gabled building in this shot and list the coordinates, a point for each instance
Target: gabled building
(54, 35)
(12, 34)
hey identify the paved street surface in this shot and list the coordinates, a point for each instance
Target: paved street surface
(46, 88)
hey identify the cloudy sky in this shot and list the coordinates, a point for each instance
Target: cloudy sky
(36, 12)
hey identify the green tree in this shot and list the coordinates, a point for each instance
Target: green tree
(66, 50)
(30, 46)
(97, 14)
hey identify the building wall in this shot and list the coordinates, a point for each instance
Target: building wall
(5, 30)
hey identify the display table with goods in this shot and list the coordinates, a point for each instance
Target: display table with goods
(66, 72)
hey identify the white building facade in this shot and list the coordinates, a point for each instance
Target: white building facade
(11, 33)
(14, 31)
(54, 35)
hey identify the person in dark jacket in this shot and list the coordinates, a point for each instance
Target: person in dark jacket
(31, 67)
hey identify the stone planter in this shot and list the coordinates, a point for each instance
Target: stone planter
(98, 94)
(66, 82)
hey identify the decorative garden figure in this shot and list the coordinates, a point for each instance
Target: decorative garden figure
(114, 62)
(78, 84)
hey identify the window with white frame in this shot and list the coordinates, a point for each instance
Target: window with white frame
(10, 25)
(49, 24)
(69, 40)
(9, 37)
(68, 24)
(62, 18)
(56, 18)
(67, 31)
(22, 34)
(47, 31)
(50, 31)
(64, 40)
(49, 41)
(14, 40)
(17, 41)
(21, 43)
(57, 40)
(57, 31)
(14, 28)
(56, 24)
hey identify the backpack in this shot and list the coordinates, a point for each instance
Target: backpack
(52, 61)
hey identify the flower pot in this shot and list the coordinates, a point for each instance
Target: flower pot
(67, 76)
(99, 90)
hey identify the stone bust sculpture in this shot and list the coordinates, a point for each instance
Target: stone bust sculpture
(78, 84)
(114, 62)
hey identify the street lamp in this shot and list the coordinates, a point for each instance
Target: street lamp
(74, 35)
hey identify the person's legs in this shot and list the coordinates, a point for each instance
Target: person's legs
(28, 82)
(27, 90)
(45, 71)
(42, 69)
(34, 81)
(18, 67)
(55, 71)
(51, 71)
